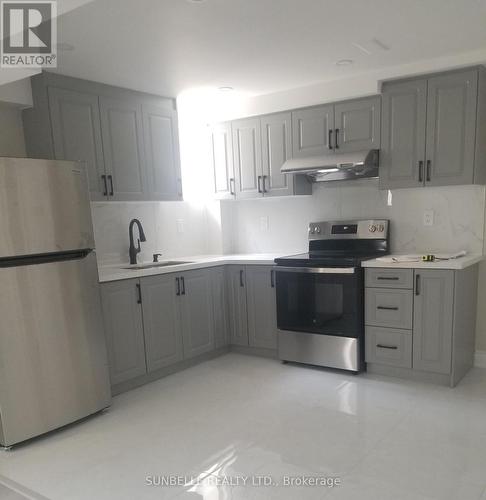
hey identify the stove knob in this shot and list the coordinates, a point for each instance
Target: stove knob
(318, 230)
(381, 228)
(311, 230)
(372, 228)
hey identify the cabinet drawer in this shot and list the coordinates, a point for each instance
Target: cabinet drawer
(389, 278)
(390, 308)
(387, 346)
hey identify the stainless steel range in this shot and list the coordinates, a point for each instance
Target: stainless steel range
(320, 294)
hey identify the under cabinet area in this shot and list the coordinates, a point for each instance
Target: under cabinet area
(128, 139)
(420, 323)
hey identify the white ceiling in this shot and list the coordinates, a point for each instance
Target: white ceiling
(259, 46)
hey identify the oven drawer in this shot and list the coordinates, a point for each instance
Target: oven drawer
(388, 346)
(389, 278)
(389, 308)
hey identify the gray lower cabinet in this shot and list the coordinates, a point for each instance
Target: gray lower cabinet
(357, 125)
(161, 321)
(237, 305)
(261, 305)
(432, 130)
(433, 320)
(196, 312)
(122, 313)
(221, 153)
(76, 134)
(162, 156)
(220, 306)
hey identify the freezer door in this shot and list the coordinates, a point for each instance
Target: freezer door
(53, 363)
(44, 207)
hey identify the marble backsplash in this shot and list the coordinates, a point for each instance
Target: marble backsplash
(280, 224)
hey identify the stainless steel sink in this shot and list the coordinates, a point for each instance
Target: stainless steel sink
(151, 265)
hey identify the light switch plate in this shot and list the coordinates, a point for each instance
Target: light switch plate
(264, 223)
(428, 217)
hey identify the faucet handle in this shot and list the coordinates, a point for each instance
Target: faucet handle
(156, 256)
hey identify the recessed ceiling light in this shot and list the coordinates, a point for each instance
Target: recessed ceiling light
(344, 62)
(226, 89)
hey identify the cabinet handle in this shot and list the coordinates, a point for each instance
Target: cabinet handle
(336, 146)
(428, 171)
(232, 186)
(329, 139)
(259, 184)
(386, 308)
(139, 293)
(178, 285)
(272, 278)
(421, 171)
(241, 278)
(110, 178)
(383, 346)
(264, 178)
(179, 185)
(183, 292)
(105, 192)
(417, 284)
(388, 278)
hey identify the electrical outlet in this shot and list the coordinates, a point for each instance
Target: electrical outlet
(180, 225)
(264, 224)
(428, 217)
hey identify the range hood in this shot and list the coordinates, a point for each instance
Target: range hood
(335, 167)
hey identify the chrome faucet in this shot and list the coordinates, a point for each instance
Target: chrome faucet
(134, 250)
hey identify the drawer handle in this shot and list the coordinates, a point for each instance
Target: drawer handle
(386, 308)
(388, 278)
(383, 346)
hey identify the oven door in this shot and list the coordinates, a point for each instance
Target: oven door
(326, 301)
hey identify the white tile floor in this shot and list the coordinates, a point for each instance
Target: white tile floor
(241, 416)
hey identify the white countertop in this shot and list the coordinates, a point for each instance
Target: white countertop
(115, 272)
(459, 263)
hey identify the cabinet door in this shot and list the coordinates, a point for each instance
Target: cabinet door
(451, 128)
(312, 131)
(161, 321)
(402, 154)
(197, 312)
(262, 307)
(432, 323)
(121, 127)
(247, 153)
(236, 295)
(357, 125)
(220, 316)
(161, 139)
(221, 144)
(76, 132)
(122, 315)
(276, 149)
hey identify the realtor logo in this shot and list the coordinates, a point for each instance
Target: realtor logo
(29, 34)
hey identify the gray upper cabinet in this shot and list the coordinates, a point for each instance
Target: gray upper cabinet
(451, 128)
(312, 131)
(123, 322)
(432, 130)
(197, 312)
(121, 127)
(237, 307)
(220, 316)
(161, 321)
(76, 133)
(357, 125)
(262, 310)
(433, 320)
(247, 157)
(221, 145)
(402, 156)
(161, 139)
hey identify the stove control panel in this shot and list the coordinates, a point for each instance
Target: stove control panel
(358, 229)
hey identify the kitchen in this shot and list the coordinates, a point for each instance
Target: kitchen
(262, 321)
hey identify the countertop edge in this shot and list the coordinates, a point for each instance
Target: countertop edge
(453, 264)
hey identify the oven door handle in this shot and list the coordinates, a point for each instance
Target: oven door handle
(316, 270)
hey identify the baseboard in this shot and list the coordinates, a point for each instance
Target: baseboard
(480, 359)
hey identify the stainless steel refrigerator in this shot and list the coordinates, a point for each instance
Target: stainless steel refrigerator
(53, 362)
